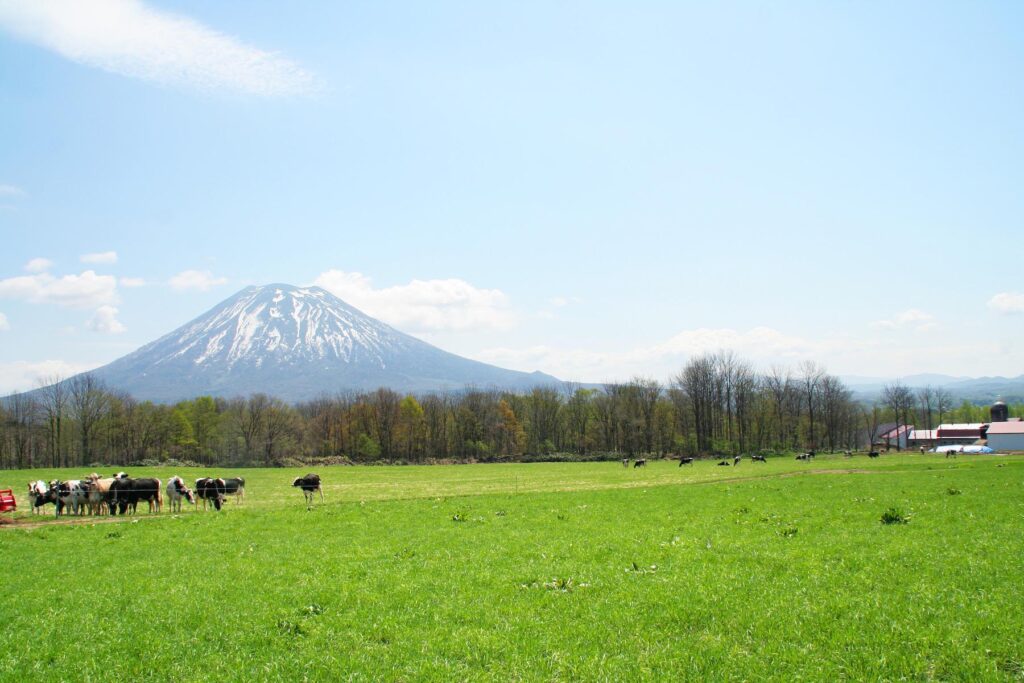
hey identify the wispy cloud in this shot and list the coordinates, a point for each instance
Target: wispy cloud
(25, 375)
(1007, 302)
(102, 257)
(911, 318)
(86, 290)
(10, 190)
(38, 265)
(130, 38)
(4, 325)
(105, 320)
(200, 280)
(423, 305)
(131, 282)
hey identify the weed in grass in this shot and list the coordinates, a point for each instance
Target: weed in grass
(895, 516)
(634, 568)
(788, 532)
(953, 492)
(286, 627)
(313, 610)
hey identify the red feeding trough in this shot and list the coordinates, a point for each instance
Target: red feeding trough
(7, 502)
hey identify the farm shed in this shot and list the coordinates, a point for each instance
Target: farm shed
(1006, 436)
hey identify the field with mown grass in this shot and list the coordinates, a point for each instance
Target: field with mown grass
(584, 571)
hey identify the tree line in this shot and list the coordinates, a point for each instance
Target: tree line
(717, 404)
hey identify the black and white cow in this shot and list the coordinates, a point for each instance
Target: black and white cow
(309, 484)
(39, 493)
(70, 494)
(685, 461)
(235, 486)
(176, 491)
(212, 490)
(126, 494)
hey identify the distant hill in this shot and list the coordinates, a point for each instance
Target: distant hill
(973, 389)
(295, 343)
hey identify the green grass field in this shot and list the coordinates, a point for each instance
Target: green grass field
(586, 571)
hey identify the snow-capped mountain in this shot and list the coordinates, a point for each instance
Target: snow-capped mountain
(295, 343)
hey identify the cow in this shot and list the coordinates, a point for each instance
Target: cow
(736, 460)
(212, 490)
(625, 462)
(685, 461)
(69, 494)
(126, 493)
(176, 490)
(309, 484)
(759, 458)
(847, 454)
(98, 490)
(39, 494)
(873, 454)
(235, 487)
(723, 463)
(642, 462)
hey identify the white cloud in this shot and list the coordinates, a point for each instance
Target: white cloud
(910, 318)
(23, 375)
(130, 38)
(423, 305)
(38, 265)
(10, 190)
(1007, 302)
(762, 345)
(105, 320)
(131, 282)
(200, 280)
(4, 325)
(103, 257)
(86, 290)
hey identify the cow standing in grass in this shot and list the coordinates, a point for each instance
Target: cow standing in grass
(176, 491)
(39, 494)
(642, 462)
(309, 484)
(70, 494)
(212, 490)
(126, 494)
(235, 487)
(685, 461)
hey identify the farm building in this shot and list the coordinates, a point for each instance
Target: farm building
(895, 437)
(960, 434)
(923, 437)
(1006, 436)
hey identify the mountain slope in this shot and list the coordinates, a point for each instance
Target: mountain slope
(295, 343)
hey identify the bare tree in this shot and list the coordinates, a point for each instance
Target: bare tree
(54, 393)
(811, 375)
(89, 403)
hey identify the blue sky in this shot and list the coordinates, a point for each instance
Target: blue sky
(596, 190)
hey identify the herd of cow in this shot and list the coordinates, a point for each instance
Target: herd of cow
(121, 494)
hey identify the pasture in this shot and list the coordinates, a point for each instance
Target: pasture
(777, 571)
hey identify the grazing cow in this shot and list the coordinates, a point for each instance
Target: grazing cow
(759, 458)
(70, 494)
(625, 462)
(642, 462)
(212, 490)
(235, 487)
(126, 493)
(176, 490)
(951, 453)
(736, 460)
(723, 463)
(309, 485)
(38, 493)
(685, 461)
(847, 454)
(873, 454)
